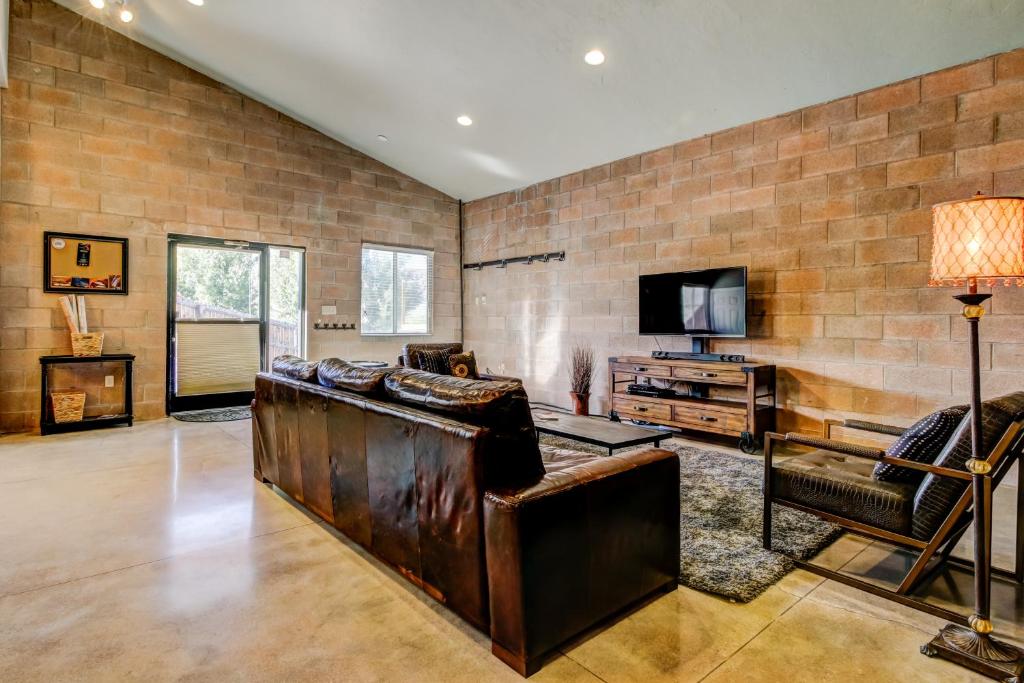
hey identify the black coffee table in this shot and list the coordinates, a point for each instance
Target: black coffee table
(596, 430)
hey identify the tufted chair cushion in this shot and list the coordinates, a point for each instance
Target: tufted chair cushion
(844, 486)
(937, 495)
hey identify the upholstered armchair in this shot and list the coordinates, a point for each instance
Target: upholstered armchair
(410, 358)
(916, 494)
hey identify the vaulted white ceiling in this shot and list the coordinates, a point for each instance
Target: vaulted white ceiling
(675, 69)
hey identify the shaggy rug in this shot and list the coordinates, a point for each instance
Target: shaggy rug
(214, 415)
(720, 523)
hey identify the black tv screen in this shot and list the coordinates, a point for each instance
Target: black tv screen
(705, 303)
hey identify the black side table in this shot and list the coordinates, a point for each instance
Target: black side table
(46, 423)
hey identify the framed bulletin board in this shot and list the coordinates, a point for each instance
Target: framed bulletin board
(84, 264)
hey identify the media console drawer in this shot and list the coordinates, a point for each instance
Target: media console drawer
(645, 410)
(711, 419)
(710, 375)
(647, 369)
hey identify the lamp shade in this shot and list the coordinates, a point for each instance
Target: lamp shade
(979, 239)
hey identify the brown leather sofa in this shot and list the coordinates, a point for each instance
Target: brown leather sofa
(443, 479)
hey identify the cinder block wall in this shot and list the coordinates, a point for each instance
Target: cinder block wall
(104, 136)
(829, 208)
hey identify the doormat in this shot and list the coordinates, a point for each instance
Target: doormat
(214, 415)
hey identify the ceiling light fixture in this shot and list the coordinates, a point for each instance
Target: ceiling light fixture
(198, 3)
(98, 4)
(126, 14)
(594, 57)
(382, 138)
(464, 120)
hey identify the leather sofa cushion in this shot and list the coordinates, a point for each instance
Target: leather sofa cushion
(295, 368)
(501, 406)
(937, 495)
(844, 486)
(335, 373)
(457, 396)
(922, 442)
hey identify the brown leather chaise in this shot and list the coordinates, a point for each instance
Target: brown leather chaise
(443, 479)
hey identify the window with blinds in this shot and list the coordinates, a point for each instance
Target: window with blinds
(397, 290)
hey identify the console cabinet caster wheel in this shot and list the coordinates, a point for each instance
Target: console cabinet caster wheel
(928, 651)
(748, 444)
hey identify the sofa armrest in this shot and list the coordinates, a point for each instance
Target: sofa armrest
(580, 545)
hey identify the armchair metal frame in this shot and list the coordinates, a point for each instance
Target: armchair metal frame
(940, 546)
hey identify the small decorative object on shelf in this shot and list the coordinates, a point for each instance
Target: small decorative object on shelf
(86, 343)
(581, 376)
(978, 241)
(83, 342)
(64, 410)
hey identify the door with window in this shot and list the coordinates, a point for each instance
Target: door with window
(232, 307)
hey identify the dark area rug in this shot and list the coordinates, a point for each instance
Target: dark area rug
(214, 415)
(720, 523)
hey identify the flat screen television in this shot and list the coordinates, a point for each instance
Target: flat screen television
(700, 303)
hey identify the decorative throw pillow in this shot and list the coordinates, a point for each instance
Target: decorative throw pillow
(463, 365)
(922, 442)
(436, 361)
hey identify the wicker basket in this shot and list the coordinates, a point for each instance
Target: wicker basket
(68, 406)
(86, 343)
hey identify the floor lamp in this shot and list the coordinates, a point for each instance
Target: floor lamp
(978, 240)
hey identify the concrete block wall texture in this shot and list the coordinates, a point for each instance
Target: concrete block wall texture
(101, 135)
(828, 207)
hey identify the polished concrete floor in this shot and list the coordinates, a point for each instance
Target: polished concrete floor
(151, 554)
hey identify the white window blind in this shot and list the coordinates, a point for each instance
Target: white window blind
(397, 290)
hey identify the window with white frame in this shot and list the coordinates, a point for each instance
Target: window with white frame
(397, 290)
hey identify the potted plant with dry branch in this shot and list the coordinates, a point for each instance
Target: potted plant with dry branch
(581, 376)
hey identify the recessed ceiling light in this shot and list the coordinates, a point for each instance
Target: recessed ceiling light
(464, 120)
(382, 138)
(98, 4)
(127, 15)
(198, 3)
(594, 57)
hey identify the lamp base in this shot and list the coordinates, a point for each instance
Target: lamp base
(979, 652)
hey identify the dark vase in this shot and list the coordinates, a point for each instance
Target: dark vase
(580, 403)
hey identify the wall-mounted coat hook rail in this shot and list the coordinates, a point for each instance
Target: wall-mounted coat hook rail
(333, 326)
(528, 260)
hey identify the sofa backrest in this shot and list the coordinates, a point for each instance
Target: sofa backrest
(512, 458)
(936, 495)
